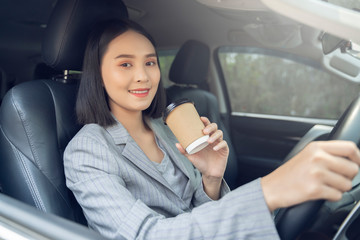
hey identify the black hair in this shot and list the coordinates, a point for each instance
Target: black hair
(92, 100)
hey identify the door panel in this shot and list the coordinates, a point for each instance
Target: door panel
(274, 98)
(262, 144)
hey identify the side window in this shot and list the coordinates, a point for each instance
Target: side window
(166, 57)
(266, 82)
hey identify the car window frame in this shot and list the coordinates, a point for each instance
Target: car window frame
(273, 53)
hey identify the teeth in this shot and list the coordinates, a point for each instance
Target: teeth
(138, 92)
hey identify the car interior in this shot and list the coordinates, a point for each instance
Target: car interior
(41, 51)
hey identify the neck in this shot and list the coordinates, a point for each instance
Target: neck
(132, 121)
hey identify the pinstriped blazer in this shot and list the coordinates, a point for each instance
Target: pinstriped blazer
(124, 196)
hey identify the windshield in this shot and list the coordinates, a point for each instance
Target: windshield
(350, 4)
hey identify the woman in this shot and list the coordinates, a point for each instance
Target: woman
(134, 181)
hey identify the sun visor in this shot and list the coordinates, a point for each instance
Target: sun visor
(245, 5)
(328, 17)
(277, 35)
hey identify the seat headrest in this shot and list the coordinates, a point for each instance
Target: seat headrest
(191, 64)
(43, 71)
(69, 26)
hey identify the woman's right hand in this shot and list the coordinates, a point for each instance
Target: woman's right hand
(322, 170)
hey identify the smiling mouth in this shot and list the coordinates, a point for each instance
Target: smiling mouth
(140, 92)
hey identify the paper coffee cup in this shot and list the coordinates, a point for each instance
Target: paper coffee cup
(184, 121)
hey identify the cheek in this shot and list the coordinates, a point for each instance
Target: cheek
(155, 75)
(107, 79)
(109, 83)
(156, 80)
(111, 77)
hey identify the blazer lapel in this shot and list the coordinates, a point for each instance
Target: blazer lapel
(168, 139)
(133, 152)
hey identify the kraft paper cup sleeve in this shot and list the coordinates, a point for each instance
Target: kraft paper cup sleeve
(198, 140)
(173, 105)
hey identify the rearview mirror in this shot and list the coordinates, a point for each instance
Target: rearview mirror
(330, 43)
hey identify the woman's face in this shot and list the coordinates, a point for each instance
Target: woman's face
(130, 73)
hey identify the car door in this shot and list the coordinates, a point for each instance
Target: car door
(275, 99)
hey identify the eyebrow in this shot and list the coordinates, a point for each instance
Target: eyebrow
(133, 56)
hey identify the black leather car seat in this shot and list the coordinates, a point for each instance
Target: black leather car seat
(189, 72)
(37, 118)
(5, 84)
(43, 71)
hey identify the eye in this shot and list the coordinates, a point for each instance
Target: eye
(125, 65)
(151, 63)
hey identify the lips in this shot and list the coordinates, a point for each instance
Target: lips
(143, 92)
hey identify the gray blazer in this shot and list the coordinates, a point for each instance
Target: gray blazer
(124, 196)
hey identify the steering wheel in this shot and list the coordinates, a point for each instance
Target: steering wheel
(291, 221)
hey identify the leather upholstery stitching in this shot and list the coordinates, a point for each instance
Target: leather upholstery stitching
(29, 178)
(27, 132)
(53, 98)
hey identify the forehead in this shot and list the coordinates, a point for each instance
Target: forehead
(131, 41)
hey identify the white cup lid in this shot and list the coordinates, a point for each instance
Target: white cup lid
(197, 145)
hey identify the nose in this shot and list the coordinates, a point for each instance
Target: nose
(141, 74)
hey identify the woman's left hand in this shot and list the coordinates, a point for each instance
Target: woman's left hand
(210, 161)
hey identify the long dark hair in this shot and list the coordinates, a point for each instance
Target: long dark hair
(92, 100)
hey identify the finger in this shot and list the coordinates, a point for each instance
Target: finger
(337, 181)
(342, 149)
(220, 145)
(212, 127)
(216, 136)
(205, 120)
(180, 148)
(330, 193)
(343, 166)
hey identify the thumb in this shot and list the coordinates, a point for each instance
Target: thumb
(180, 148)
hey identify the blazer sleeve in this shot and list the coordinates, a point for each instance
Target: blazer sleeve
(111, 209)
(200, 196)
